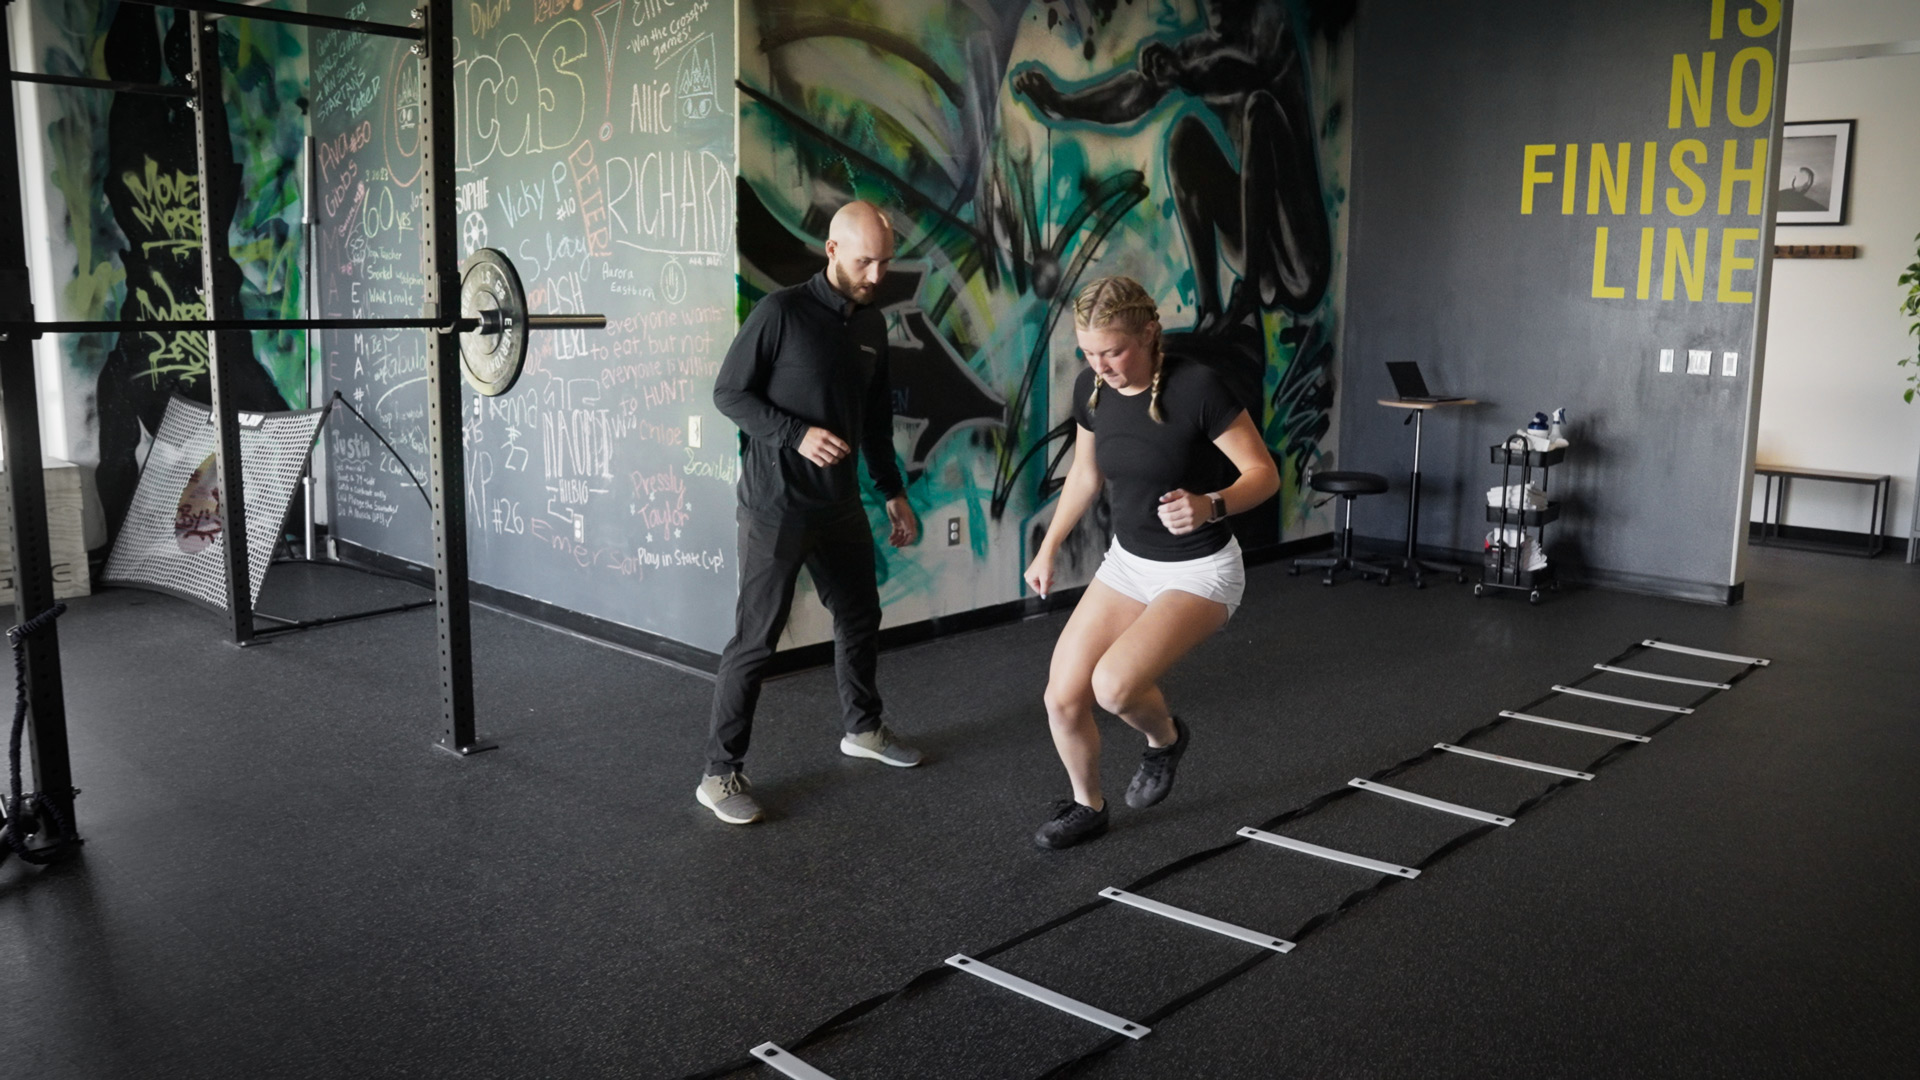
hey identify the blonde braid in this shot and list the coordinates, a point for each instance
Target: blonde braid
(1121, 303)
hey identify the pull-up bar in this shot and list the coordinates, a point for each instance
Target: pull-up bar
(298, 18)
(101, 84)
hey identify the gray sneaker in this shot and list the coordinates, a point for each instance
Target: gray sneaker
(727, 797)
(880, 745)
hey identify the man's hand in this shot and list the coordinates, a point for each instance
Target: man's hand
(906, 524)
(1182, 513)
(823, 447)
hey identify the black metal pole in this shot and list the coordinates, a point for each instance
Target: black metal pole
(101, 84)
(198, 326)
(440, 256)
(463, 324)
(1413, 503)
(219, 291)
(32, 561)
(281, 15)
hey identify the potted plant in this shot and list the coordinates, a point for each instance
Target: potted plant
(1911, 309)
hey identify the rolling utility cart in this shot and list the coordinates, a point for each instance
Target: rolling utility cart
(1505, 566)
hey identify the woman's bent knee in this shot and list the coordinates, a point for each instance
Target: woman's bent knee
(1067, 706)
(1115, 691)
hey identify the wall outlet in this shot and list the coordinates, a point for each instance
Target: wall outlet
(693, 432)
(953, 532)
(1666, 361)
(579, 528)
(1699, 361)
(1729, 363)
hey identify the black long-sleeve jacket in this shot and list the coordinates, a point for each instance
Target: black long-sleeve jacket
(807, 356)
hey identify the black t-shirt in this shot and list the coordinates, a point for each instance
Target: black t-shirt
(808, 356)
(1143, 460)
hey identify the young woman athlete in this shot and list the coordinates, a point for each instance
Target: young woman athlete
(1174, 574)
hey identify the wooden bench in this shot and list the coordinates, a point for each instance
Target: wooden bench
(1773, 507)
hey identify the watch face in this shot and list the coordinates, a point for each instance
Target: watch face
(492, 361)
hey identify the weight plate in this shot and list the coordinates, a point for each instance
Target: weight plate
(491, 356)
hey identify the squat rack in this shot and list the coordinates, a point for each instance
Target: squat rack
(32, 563)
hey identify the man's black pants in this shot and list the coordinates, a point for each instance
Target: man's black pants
(836, 547)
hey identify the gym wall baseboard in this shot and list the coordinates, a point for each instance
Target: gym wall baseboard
(787, 661)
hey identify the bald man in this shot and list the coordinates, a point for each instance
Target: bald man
(806, 381)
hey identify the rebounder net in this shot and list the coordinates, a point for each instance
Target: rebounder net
(172, 538)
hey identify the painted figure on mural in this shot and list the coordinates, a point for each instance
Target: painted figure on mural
(1177, 454)
(806, 383)
(151, 184)
(1246, 177)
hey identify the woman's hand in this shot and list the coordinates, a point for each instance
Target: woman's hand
(1039, 575)
(1182, 512)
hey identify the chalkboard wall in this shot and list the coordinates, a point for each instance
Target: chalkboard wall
(596, 149)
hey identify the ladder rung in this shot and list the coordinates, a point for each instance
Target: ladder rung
(1670, 647)
(1431, 804)
(1193, 918)
(1045, 996)
(1635, 702)
(1571, 726)
(786, 1064)
(1662, 678)
(1517, 763)
(1305, 848)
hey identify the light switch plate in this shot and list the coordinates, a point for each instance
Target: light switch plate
(693, 432)
(1699, 361)
(1729, 363)
(1666, 361)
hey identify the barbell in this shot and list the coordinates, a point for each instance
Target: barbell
(493, 323)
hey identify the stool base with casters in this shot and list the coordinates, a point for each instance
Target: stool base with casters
(1417, 567)
(1348, 486)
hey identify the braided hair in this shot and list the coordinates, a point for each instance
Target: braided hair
(1120, 303)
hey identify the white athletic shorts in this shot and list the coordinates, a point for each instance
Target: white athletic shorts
(1220, 577)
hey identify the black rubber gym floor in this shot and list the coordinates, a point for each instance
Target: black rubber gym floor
(282, 878)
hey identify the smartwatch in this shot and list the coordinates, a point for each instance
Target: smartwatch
(1219, 502)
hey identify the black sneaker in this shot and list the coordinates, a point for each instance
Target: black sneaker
(1155, 777)
(1072, 822)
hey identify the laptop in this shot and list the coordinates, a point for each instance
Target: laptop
(1408, 383)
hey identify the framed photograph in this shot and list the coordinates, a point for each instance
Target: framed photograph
(1812, 187)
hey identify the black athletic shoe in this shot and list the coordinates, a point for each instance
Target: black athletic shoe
(1155, 777)
(1072, 823)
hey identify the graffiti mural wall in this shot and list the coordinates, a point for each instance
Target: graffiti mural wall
(122, 200)
(1024, 149)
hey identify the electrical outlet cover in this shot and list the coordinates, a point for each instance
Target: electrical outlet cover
(1729, 363)
(1699, 361)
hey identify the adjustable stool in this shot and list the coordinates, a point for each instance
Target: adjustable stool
(1349, 486)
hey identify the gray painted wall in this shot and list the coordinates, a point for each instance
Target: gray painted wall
(1499, 305)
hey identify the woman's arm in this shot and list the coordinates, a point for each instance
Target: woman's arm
(1081, 487)
(1182, 512)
